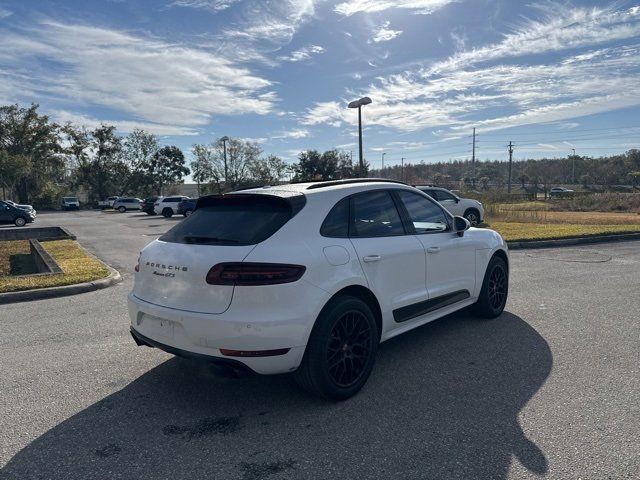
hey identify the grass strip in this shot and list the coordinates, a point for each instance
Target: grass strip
(77, 265)
(523, 231)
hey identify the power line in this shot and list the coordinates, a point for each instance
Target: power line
(559, 131)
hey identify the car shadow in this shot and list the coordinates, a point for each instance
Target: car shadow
(443, 402)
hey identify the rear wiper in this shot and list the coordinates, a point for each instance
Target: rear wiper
(205, 239)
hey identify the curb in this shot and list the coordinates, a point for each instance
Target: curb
(566, 242)
(62, 291)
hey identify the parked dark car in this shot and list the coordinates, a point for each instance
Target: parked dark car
(148, 204)
(187, 206)
(18, 216)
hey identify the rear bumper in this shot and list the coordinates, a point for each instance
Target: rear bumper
(225, 366)
(204, 335)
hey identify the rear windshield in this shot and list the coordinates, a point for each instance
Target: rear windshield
(232, 220)
(70, 199)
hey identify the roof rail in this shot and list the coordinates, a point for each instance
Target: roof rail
(348, 181)
(249, 187)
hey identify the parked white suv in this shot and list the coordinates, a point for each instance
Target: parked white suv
(468, 208)
(310, 278)
(167, 206)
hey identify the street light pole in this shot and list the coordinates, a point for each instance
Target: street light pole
(383, 154)
(224, 150)
(573, 166)
(359, 104)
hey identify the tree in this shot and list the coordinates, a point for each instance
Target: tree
(139, 147)
(523, 179)
(12, 169)
(30, 136)
(240, 154)
(210, 166)
(103, 172)
(269, 170)
(635, 178)
(330, 165)
(165, 167)
(205, 168)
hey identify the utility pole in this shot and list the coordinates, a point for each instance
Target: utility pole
(573, 166)
(510, 161)
(402, 168)
(473, 155)
(224, 149)
(383, 154)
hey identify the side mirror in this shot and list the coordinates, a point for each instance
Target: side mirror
(457, 200)
(460, 225)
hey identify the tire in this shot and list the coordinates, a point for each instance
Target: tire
(122, 209)
(473, 216)
(20, 221)
(187, 213)
(343, 320)
(167, 213)
(495, 290)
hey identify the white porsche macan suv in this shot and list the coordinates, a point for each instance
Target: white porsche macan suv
(309, 278)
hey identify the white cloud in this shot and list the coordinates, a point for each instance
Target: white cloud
(325, 112)
(296, 133)
(303, 53)
(255, 139)
(370, 6)
(561, 28)
(154, 81)
(485, 88)
(123, 126)
(272, 22)
(383, 33)
(211, 5)
(548, 147)
(4, 13)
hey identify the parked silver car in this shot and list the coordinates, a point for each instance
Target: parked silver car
(468, 208)
(123, 204)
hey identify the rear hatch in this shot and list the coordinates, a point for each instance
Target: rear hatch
(173, 269)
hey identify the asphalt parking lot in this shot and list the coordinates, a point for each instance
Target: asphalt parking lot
(549, 389)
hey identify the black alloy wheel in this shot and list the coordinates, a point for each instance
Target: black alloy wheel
(341, 350)
(495, 289)
(349, 348)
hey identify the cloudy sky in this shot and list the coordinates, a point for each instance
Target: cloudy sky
(549, 76)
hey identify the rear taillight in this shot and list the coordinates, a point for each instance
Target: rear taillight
(254, 274)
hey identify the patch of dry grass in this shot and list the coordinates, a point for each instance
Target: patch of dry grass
(521, 231)
(9, 250)
(541, 212)
(77, 265)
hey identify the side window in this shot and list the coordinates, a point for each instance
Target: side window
(375, 215)
(425, 215)
(442, 195)
(431, 193)
(337, 222)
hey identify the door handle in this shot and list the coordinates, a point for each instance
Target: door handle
(371, 258)
(433, 249)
